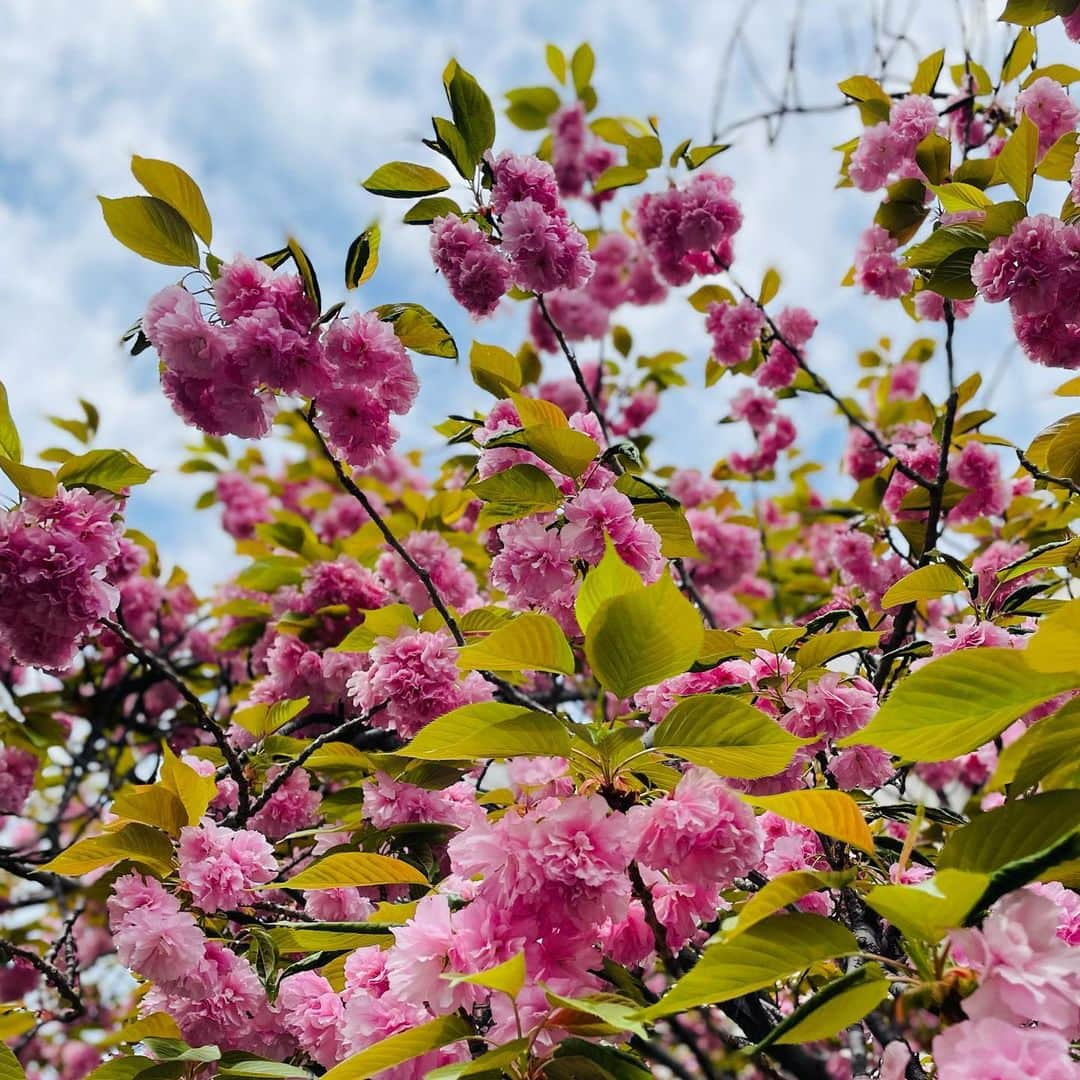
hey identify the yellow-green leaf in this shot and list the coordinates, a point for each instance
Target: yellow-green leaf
(194, 790)
(362, 258)
(28, 479)
(822, 648)
(508, 977)
(10, 1069)
(770, 286)
(927, 910)
(926, 74)
(170, 184)
(773, 950)
(958, 702)
(835, 1006)
(727, 736)
(10, 446)
(404, 180)
(925, 583)
(1015, 165)
(352, 868)
(140, 843)
(489, 730)
(151, 228)
(783, 890)
(399, 1048)
(834, 813)
(1040, 751)
(643, 637)
(418, 329)
(494, 369)
(530, 642)
(151, 804)
(382, 622)
(569, 451)
(110, 470)
(610, 577)
(1020, 55)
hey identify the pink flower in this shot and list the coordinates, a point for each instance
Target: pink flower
(475, 271)
(546, 251)
(520, 177)
(220, 866)
(877, 269)
(246, 504)
(691, 229)
(699, 833)
(242, 286)
(53, 558)
(878, 154)
(978, 468)
(356, 424)
(861, 767)
(153, 936)
(830, 708)
(445, 566)
(1068, 905)
(17, 769)
(998, 1049)
(313, 1013)
(264, 351)
(595, 513)
(734, 329)
(1025, 267)
(362, 350)
(389, 802)
(931, 306)
(1049, 108)
(1026, 972)
(415, 676)
(732, 552)
(534, 566)
(294, 806)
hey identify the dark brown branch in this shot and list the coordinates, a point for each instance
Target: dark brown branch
(55, 977)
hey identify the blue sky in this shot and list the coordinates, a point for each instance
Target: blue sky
(279, 108)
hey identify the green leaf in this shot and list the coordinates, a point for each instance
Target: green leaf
(488, 1065)
(151, 228)
(676, 539)
(556, 62)
(10, 1069)
(515, 493)
(784, 890)
(258, 1067)
(837, 1005)
(270, 573)
(10, 446)
(772, 950)
(958, 702)
(696, 156)
(530, 642)
(1065, 74)
(582, 64)
(140, 843)
(404, 180)
(28, 479)
(110, 470)
(727, 736)
(1063, 453)
(610, 577)
(1020, 54)
(617, 176)
(399, 1048)
(926, 74)
(427, 210)
(1012, 832)
(1031, 12)
(934, 156)
(530, 107)
(362, 257)
(770, 286)
(418, 329)
(347, 868)
(494, 369)
(382, 622)
(473, 115)
(172, 185)
(822, 648)
(925, 583)
(1040, 751)
(121, 1068)
(489, 730)
(643, 637)
(1016, 162)
(507, 977)
(928, 910)
(307, 272)
(450, 141)
(834, 813)
(569, 451)
(1056, 163)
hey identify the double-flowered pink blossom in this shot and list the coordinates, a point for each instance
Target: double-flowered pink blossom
(313, 1014)
(54, 557)
(220, 866)
(1046, 104)
(877, 269)
(996, 1048)
(597, 513)
(734, 329)
(451, 578)
(546, 250)
(700, 833)
(17, 769)
(690, 230)
(830, 708)
(1026, 972)
(476, 272)
(887, 149)
(153, 936)
(413, 678)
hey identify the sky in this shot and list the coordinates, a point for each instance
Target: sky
(279, 109)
